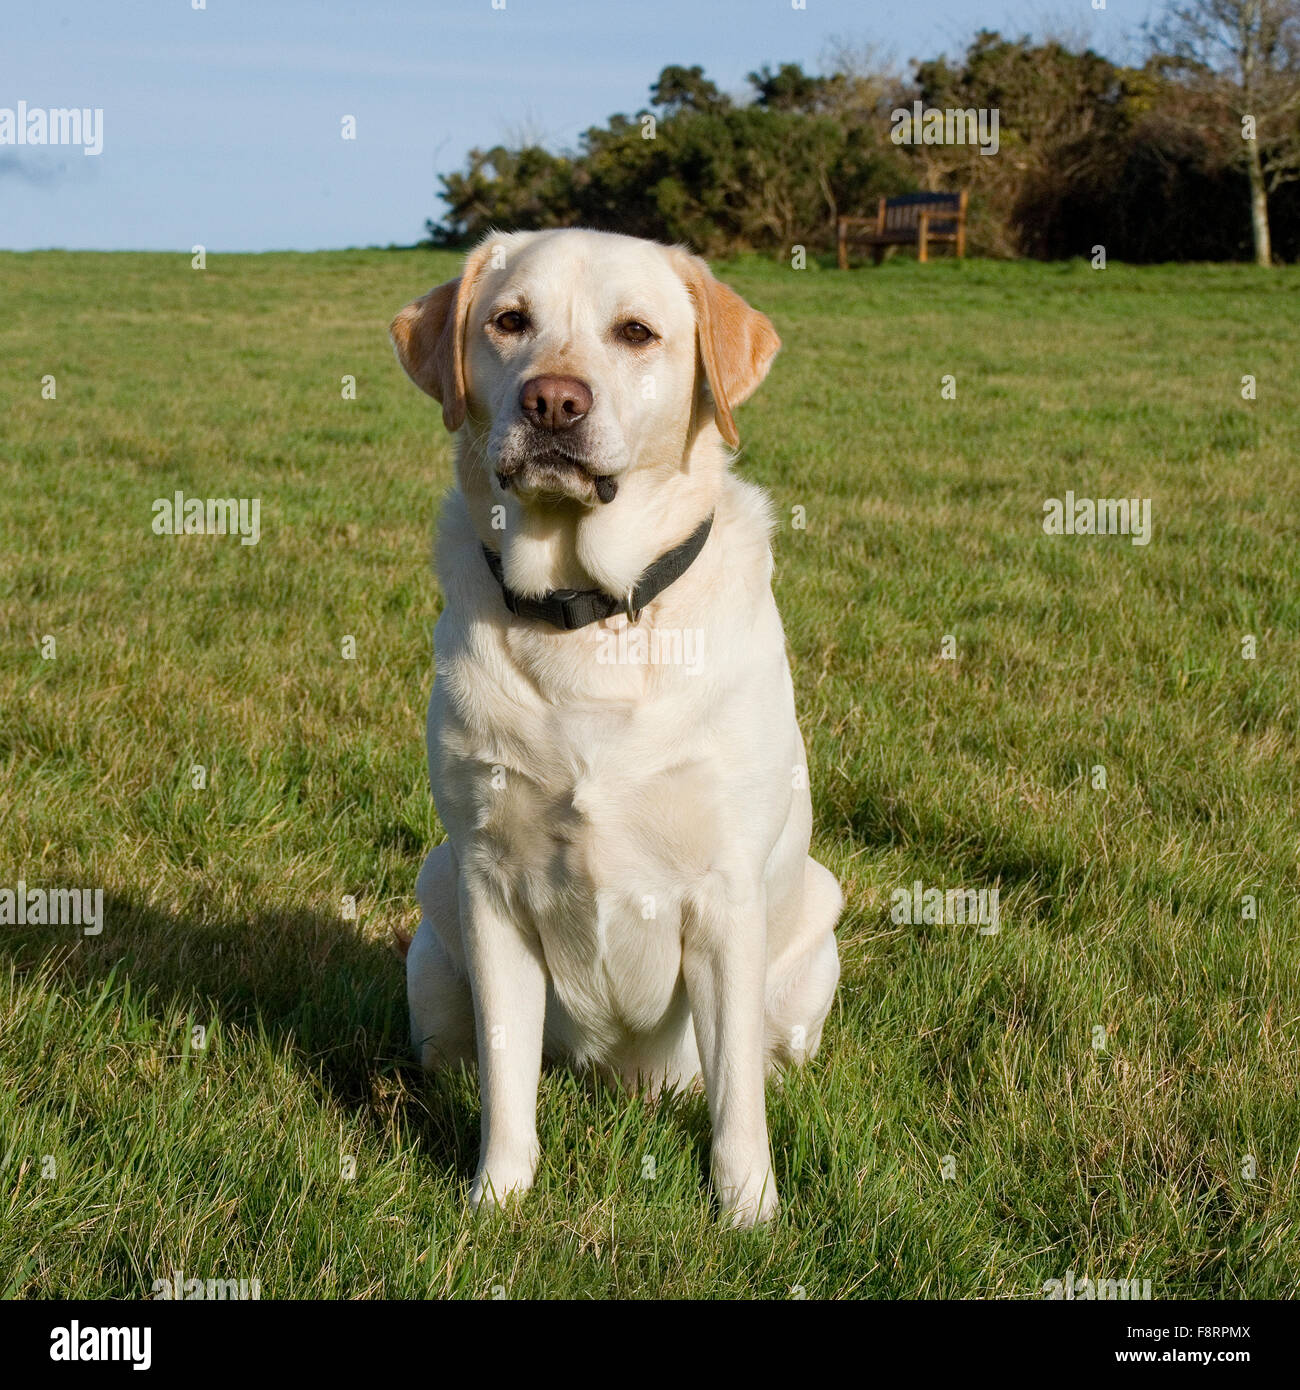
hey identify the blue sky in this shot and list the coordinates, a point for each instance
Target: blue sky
(223, 126)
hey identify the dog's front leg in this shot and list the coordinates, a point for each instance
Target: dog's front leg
(724, 960)
(508, 980)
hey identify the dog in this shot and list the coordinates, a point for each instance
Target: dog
(625, 882)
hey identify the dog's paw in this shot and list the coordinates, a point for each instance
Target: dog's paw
(748, 1204)
(496, 1184)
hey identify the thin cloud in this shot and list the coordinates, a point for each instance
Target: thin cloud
(42, 175)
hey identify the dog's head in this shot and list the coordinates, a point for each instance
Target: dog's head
(575, 357)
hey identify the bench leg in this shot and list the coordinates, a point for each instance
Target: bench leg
(842, 241)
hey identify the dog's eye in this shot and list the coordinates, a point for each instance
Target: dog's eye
(635, 332)
(512, 321)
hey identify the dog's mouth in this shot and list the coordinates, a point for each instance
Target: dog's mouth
(552, 472)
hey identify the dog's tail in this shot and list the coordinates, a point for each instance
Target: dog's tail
(401, 941)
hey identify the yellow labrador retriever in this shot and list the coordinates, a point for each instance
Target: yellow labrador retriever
(612, 738)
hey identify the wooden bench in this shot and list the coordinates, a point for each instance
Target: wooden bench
(914, 219)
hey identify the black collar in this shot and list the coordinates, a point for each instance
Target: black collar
(574, 608)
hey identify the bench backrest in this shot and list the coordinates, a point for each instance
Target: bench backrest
(903, 213)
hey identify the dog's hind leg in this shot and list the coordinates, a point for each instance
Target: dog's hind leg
(801, 982)
(437, 989)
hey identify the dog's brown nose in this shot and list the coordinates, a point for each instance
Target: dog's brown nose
(554, 402)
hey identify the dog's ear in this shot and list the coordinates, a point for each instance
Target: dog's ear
(737, 343)
(429, 337)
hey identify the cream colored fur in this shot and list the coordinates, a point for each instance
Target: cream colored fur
(625, 881)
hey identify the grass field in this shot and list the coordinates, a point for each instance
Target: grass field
(1171, 1152)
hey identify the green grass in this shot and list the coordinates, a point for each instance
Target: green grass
(1120, 907)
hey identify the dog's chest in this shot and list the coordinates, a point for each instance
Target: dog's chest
(588, 822)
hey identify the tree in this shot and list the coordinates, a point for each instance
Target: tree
(1244, 57)
(529, 187)
(1063, 116)
(686, 89)
(1090, 153)
(790, 88)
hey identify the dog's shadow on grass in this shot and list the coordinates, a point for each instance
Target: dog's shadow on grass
(310, 984)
